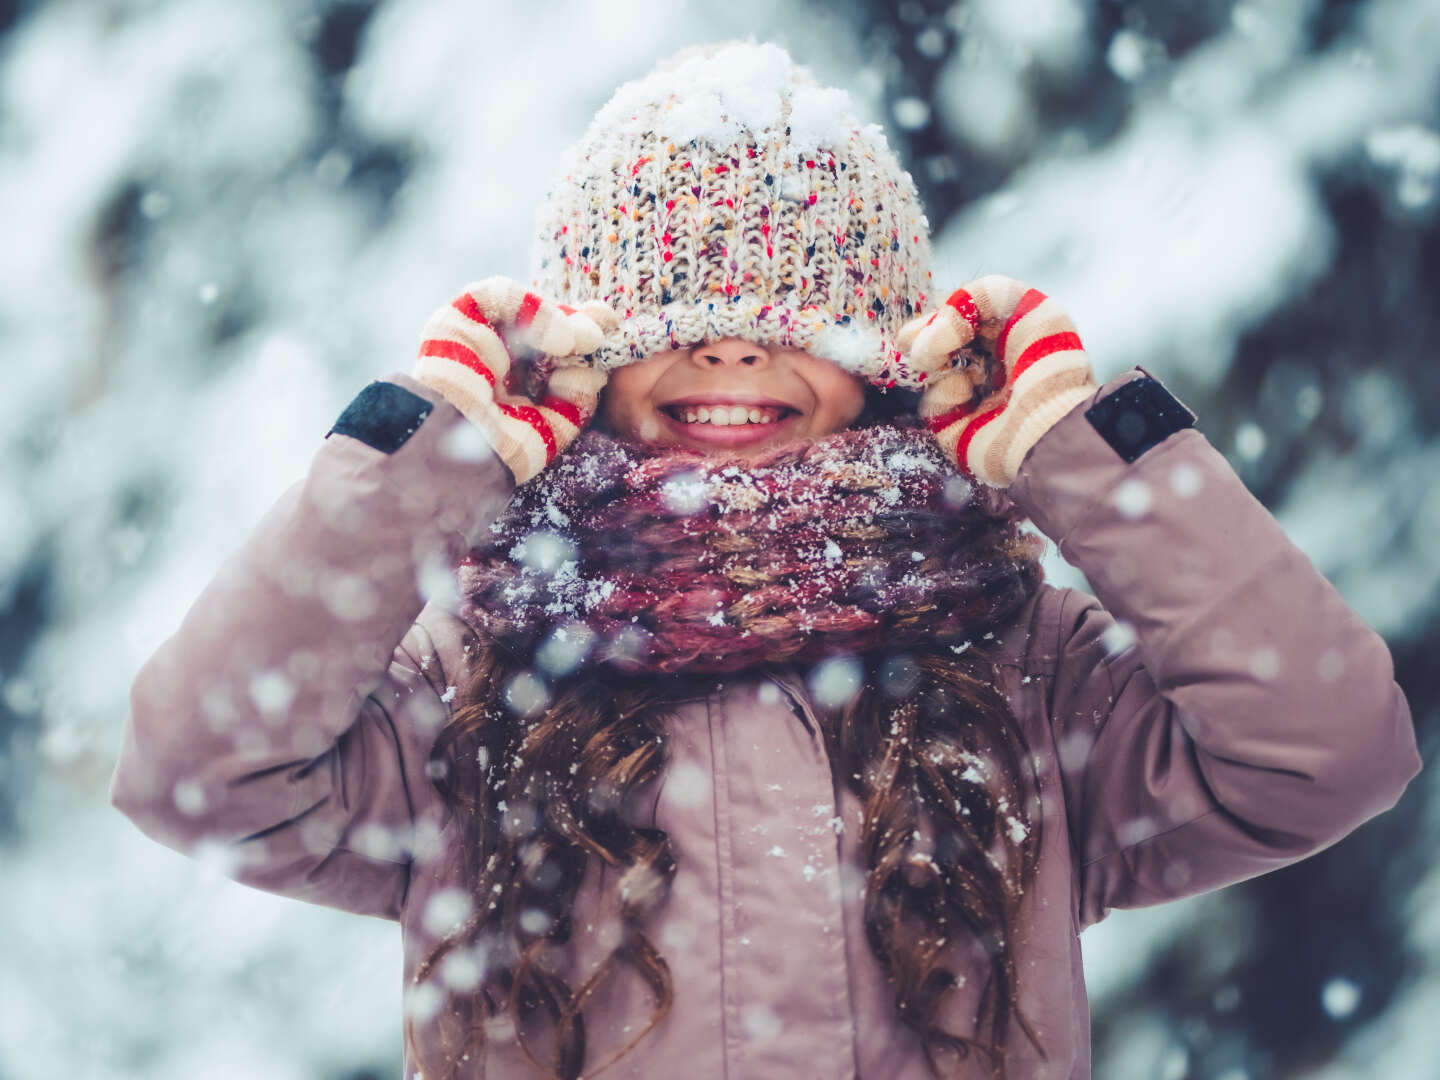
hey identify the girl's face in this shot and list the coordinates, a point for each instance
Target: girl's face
(729, 397)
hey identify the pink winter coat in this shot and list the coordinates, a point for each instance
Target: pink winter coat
(1216, 713)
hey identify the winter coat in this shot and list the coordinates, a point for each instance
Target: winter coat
(1214, 712)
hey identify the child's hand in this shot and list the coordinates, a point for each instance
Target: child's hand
(466, 357)
(987, 422)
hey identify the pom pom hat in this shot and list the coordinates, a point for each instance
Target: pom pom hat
(726, 194)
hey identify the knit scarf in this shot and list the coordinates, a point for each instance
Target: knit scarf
(656, 560)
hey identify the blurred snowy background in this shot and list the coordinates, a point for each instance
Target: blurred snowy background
(221, 219)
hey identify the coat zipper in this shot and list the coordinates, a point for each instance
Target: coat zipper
(798, 704)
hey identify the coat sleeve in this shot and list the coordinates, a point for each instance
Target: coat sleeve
(282, 730)
(1218, 710)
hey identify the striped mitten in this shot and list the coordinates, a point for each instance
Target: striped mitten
(986, 425)
(466, 358)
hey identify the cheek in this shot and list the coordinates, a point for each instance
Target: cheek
(854, 402)
(623, 399)
(841, 398)
(626, 403)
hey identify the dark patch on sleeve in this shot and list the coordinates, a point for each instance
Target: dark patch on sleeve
(1137, 416)
(383, 415)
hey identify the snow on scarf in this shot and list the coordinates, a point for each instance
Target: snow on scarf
(657, 560)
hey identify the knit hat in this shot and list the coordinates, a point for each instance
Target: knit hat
(727, 194)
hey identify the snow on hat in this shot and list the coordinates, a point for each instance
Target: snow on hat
(727, 194)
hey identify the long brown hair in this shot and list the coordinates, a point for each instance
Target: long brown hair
(946, 760)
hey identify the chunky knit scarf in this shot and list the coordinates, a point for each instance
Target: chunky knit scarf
(653, 560)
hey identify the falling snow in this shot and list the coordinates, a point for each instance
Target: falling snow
(246, 313)
(836, 681)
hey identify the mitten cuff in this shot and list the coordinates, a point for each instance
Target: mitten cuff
(474, 399)
(469, 392)
(1078, 465)
(1036, 422)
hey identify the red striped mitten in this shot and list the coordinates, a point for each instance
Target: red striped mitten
(1046, 373)
(466, 358)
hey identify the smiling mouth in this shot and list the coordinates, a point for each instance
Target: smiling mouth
(727, 415)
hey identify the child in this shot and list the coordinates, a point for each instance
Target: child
(746, 739)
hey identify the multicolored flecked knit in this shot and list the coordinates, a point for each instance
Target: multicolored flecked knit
(726, 194)
(646, 560)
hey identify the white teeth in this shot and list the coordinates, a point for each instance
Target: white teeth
(728, 415)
